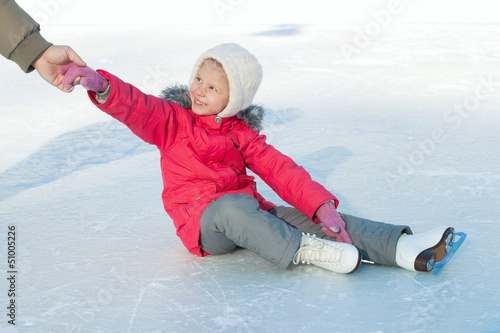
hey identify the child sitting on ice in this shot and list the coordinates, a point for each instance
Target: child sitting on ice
(208, 135)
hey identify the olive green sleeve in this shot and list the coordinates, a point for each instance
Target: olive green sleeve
(20, 38)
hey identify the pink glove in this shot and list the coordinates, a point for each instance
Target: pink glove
(86, 76)
(331, 223)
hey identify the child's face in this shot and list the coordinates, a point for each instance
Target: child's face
(209, 91)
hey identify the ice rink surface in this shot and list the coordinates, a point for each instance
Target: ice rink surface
(402, 125)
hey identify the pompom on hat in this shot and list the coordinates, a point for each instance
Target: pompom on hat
(243, 71)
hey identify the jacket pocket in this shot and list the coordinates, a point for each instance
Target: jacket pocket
(233, 157)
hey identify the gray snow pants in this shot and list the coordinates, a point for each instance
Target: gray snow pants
(237, 221)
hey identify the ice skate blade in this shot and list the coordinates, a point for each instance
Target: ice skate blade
(456, 244)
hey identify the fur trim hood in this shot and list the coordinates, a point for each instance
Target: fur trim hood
(179, 94)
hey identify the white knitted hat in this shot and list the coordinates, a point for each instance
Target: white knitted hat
(243, 72)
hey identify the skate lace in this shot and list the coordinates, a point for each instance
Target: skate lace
(318, 252)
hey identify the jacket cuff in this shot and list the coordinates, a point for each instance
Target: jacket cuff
(103, 96)
(29, 50)
(102, 99)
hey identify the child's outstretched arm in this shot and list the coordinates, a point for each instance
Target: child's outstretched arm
(151, 118)
(86, 76)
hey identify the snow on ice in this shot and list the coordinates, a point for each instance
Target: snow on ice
(404, 128)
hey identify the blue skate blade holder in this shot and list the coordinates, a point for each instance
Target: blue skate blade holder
(456, 244)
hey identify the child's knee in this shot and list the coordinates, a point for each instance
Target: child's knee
(222, 246)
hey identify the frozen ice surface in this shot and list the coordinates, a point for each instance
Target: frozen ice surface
(404, 128)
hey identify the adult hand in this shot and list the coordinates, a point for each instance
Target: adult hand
(332, 224)
(52, 60)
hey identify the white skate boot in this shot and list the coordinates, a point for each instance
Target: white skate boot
(428, 251)
(333, 256)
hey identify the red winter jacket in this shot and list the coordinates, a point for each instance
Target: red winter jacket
(201, 160)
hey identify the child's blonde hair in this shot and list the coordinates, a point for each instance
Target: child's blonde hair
(216, 64)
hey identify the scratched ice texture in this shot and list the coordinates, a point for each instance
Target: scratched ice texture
(403, 126)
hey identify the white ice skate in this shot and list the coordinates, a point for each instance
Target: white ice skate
(428, 251)
(333, 256)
